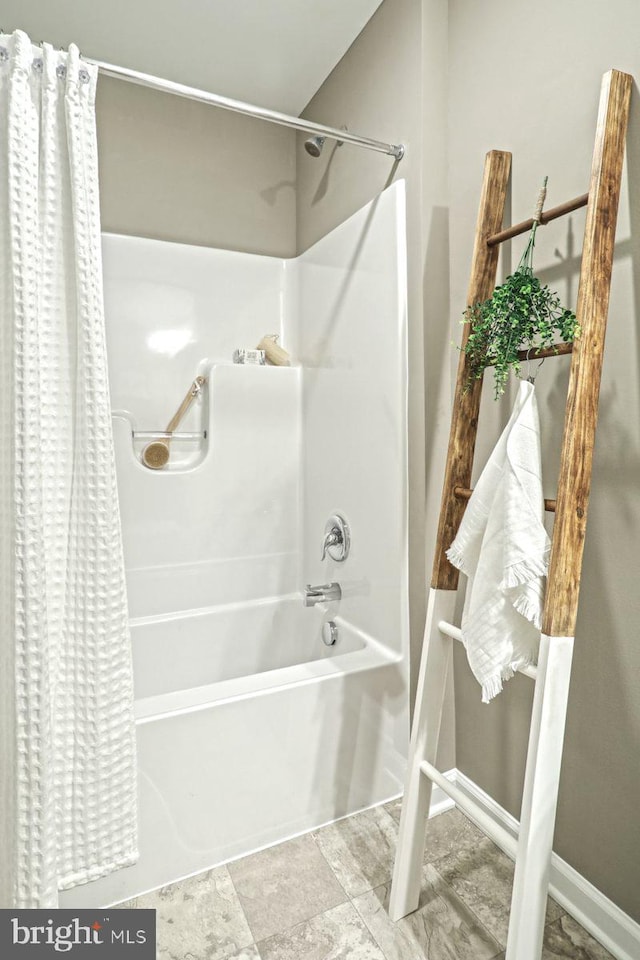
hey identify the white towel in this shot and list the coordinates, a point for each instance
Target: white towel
(503, 548)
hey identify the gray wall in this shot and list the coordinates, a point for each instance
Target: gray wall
(174, 169)
(391, 85)
(526, 77)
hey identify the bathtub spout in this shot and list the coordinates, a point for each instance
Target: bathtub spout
(324, 593)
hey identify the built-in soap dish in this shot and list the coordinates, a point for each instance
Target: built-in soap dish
(173, 450)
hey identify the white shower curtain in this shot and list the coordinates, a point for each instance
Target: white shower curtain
(67, 747)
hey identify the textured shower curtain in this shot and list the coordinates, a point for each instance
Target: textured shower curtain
(67, 747)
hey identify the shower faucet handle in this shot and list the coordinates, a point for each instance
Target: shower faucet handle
(330, 539)
(337, 539)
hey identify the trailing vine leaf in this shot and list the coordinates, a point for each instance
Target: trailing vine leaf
(521, 314)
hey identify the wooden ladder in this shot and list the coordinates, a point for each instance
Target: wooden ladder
(532, 850)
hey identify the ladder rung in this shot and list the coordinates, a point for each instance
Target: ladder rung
(526, 225)
(557, 350)
(456, 634)
(486, 823)
(464, 493)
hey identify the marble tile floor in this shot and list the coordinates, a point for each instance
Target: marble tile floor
(324, 896)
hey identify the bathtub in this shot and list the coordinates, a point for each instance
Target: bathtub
(250, 731)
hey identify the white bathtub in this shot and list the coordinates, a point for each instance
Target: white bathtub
(250, 731)
(211, 646)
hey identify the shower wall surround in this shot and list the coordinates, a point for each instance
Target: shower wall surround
(250, 729)
(227, 530)
(352, 342)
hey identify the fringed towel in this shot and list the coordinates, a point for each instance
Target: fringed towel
(503, 548)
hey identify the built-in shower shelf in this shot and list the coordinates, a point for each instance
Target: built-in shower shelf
(261, 369)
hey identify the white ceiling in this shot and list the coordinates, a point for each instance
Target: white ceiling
(275, 53)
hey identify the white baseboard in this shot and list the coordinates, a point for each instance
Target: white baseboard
(613, 928)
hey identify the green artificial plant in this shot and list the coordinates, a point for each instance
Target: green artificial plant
(521, 314)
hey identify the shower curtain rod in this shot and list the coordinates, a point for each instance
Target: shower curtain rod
(237, 106)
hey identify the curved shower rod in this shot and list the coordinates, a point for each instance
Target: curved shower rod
(237, 106)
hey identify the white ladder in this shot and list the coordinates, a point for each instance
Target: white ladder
(532, 850)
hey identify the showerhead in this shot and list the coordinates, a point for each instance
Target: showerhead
(314, 146)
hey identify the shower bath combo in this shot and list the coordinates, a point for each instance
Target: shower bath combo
(264, 531)
(267, 559)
